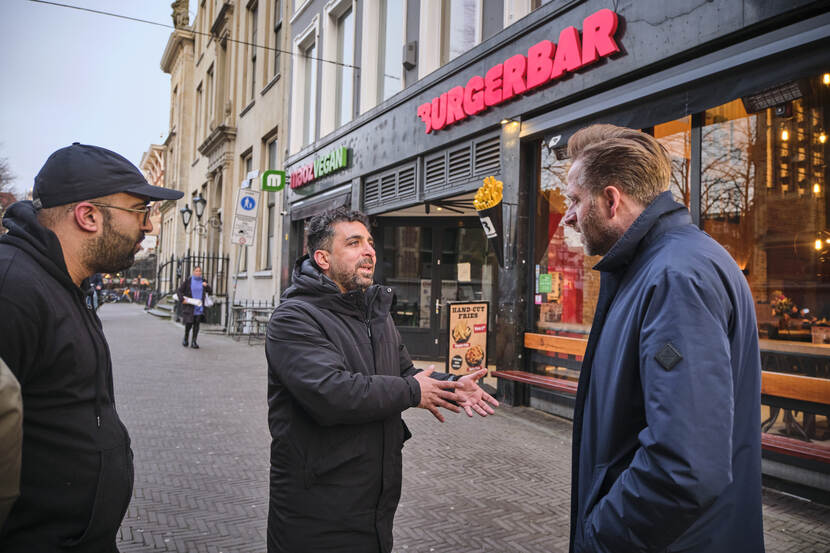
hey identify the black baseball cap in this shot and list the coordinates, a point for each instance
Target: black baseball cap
(82, 172)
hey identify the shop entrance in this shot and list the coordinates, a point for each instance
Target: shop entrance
(429, 262)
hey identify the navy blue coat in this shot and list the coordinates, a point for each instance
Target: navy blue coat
(667, 445)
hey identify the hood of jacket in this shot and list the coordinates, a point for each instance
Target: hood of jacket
(315, 287)
(26, 232)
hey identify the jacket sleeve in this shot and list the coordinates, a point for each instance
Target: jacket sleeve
(302, 359)
(408, 369)
(20, 328)
(684, 458)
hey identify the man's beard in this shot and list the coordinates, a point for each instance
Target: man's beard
(351, 279)
(111, 251)
(597, 236)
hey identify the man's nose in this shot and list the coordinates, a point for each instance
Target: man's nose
(570, 218)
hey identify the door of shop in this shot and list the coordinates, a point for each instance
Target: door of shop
(429, 262)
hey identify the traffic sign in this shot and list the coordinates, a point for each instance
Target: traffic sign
(244, 220)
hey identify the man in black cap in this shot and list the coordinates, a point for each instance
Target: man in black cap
(89, 214)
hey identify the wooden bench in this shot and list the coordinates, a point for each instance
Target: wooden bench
(778, 390)
(539, 380)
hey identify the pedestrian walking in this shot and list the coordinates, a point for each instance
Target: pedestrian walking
(666, 446)
(89, 214)
(338, 379)
(193, 293)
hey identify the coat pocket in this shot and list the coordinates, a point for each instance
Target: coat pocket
(591, 500)
(334, 456)
(112, 497)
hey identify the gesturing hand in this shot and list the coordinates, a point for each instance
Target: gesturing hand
(435, 393)
(472, 397)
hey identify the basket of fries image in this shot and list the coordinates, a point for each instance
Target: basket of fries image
(461, 332)
(488, 203)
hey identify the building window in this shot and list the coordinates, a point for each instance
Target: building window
(344, 96)
(460, 27)
(309, 63)
(197, 121)
(277, 30)
(271, 209)
(252, 25)
(390, 44)
(209, 105)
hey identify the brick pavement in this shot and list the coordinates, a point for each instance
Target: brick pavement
(198, 423)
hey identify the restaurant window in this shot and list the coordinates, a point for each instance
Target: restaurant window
(676, 138)
(407, 265)
(764, 198)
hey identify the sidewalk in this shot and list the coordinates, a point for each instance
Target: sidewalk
(201, 443)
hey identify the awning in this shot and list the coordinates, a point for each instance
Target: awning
(339, 197)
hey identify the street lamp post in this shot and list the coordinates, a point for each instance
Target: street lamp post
(199, 204)
(187, 213)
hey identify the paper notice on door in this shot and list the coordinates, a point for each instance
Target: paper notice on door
(463, 272)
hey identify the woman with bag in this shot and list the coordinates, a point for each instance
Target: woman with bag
(193, 294)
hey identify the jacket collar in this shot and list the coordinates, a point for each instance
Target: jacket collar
(313, 286)
(661, 215)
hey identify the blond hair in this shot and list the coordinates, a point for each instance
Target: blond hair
(629, 159)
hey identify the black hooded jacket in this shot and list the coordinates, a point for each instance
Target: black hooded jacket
(338, 379)
(77, 470)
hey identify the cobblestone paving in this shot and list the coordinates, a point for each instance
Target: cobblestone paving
(200, 437)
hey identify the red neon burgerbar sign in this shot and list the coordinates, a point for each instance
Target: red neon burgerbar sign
(545, 62)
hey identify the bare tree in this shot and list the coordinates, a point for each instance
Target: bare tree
(6, 176)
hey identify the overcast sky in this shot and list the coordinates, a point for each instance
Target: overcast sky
(71, 76)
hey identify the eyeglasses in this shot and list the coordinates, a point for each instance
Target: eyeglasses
(145, 210)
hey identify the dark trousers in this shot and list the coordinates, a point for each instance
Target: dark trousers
(197, 319)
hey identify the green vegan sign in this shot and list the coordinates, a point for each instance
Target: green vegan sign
(333, 161)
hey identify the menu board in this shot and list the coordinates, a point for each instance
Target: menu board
(467, 336)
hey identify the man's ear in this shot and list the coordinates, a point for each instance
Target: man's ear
(611, 198)
(84, 214)
(321, 258)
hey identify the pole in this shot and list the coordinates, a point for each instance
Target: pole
(235, 281)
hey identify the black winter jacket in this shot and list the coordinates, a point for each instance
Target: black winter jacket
(189, 308)
(77, 469)
(338, 379)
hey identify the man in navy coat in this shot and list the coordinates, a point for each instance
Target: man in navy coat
(667, 445)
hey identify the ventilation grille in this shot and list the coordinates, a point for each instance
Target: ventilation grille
(390, 187)
(371, 192)
(487, 157)
(406, 182)
(435, 172)
(460, 164)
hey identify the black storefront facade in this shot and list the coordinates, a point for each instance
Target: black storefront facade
(735, 90)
